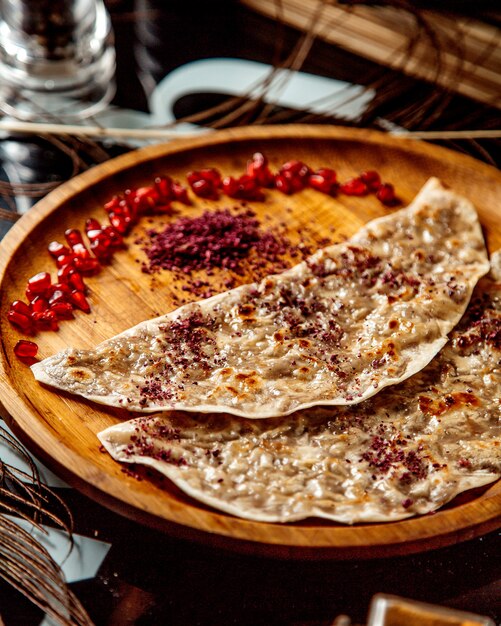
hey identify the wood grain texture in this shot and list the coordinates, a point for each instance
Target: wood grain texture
(61, 429)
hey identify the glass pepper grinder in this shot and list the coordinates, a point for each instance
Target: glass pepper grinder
(57, 59)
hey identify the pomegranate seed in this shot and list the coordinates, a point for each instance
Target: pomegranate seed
(81, 251)
(80, 301)
(56, 249)
(112, 204)
(95, 233)
(59, 296)
(65, 259)
(180, 193)
(39, 283)
(20, 307)
(25, 349)
(64, 272)
(119, 223)
(76, 281)
(146, 198)
(87, 267)
(39, 304)
(58, 287)
(73, 236)
(204, 189)
(354, 187)
(284, 184)
(324, 180)
(20, 321)
(45, 320)
(163, 186)
(30, 294)
(258, 170)
(91, 224)
(102, 250)
(386, 194)
(115, 238)
(62, 310)
(229, 186)
(371, 179)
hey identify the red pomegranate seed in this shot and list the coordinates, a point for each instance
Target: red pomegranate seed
(58, 287)
(102, 250)
(229, 186)
(59, 296)
(180, 193)
(163, 186)
(146, 198)
(65, 259)
(386, 194)
(259, 171)
(91, 224)
(64, 272)
(354, 187)
(80, 301)
(56, 249)
(73, 236)
(95, 233)
(244, 188)
(81, 251)
(24, 349)
(112, 204)
(76, 281)
(20, 321)
(62, 310)
(204, 189)
(20, 307)
(371, 179)
(45, 320)
(324, 180)
(119, 223)
(87, 267)
(39, 283)
(284, 184)
(30, 295)
(39, 304)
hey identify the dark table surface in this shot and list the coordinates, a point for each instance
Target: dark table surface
(148, 578)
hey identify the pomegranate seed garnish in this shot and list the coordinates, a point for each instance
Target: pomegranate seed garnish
(324, 180)
(119, 223)
(30, 295)
(39, 283)
(204, 189)
(62, 310)
(76, 281)
(20, 307)
(81, 251)
(371, 179)
(284, 184)
(116, 239)
(20, 321)
(39, 304)
(112, 204)
(180, 193)
(163, 186)
(80, 301)
(102, 249)
(87, 267)
(64, 272)
(59, 296)
(73, 236)
(56, 249)
(65, 259)
(91, 224)
(259, 171)
(25, 349)
(386, 194)
(354, 187)
(45, 320)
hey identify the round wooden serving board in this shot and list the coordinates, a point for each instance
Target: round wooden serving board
(61, 429)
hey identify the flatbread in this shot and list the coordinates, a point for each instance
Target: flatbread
(408, 450)
(334, 330)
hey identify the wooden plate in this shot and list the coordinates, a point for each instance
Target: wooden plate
(62, 430)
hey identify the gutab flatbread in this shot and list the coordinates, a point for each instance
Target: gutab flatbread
(334, 330)
(408, 450)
